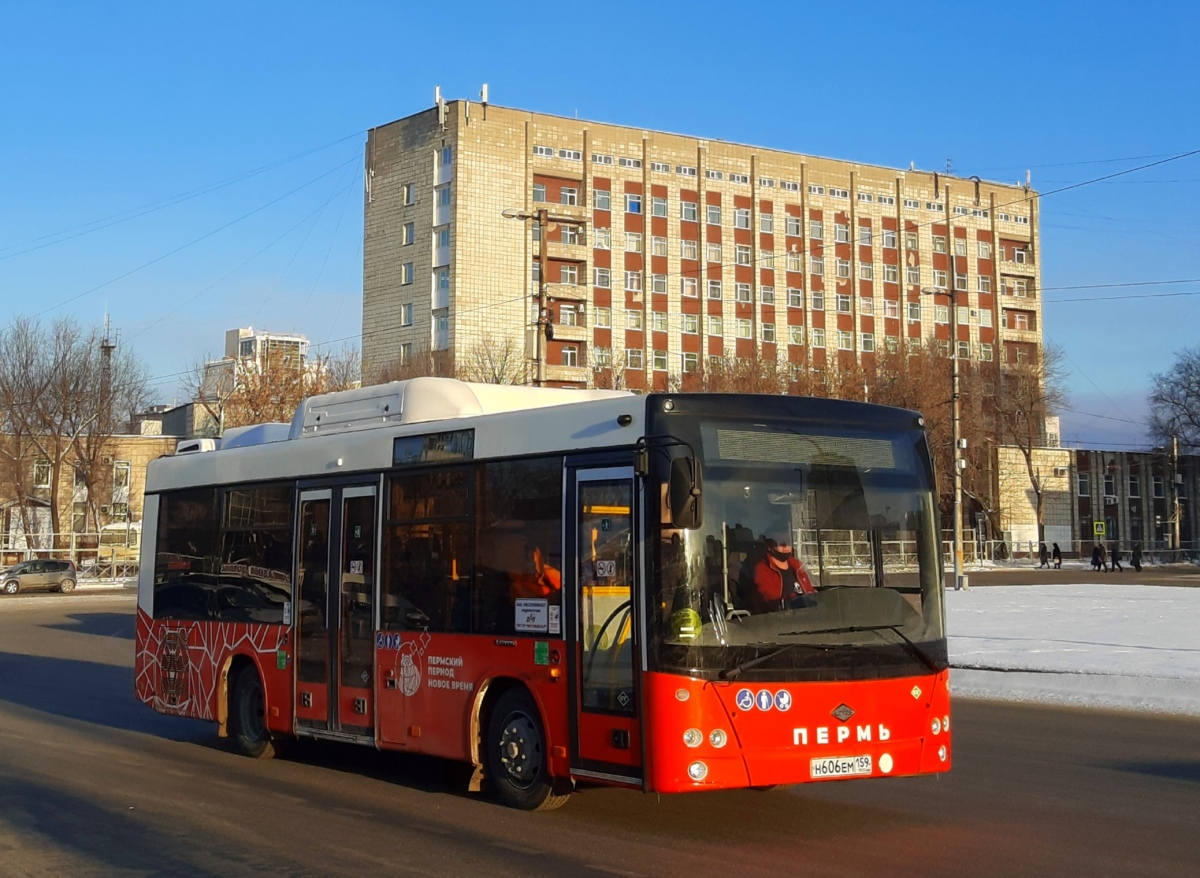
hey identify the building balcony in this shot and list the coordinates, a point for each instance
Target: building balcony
(558, 250)
(577, 374)
(1029, 335)
(442, 174)
(569, 292)
(441, 256)
(1020, 269)
(564, 332)
(441, 214)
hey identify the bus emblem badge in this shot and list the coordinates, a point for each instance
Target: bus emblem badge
(842, 712)
(745, 699)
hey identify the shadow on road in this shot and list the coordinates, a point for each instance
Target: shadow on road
(1189, 771)
(120, 625)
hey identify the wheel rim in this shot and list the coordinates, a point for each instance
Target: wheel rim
(521, 750)
(67, 585)
(252, 712)
(10, 588)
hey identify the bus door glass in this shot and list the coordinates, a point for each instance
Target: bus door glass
(356, 622)
(607, 738)
(311, 622)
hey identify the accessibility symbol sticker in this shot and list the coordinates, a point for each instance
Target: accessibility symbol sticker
(765, 700)
(745, 699)
(783, 700)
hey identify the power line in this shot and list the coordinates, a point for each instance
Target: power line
(1134, 283)
(1123, 298)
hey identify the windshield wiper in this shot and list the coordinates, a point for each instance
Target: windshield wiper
(734, 672)
(925, 658)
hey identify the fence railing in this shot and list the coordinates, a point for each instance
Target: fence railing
(93, 559)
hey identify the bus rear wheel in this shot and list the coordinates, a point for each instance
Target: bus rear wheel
(248, 716)
(515, 755)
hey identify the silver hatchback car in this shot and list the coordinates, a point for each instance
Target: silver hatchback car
(40, 573)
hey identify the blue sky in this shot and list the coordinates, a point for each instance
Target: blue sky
(110, 108)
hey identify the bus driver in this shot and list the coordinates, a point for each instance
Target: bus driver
(779, 578)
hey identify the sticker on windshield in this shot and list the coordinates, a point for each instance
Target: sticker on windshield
(783, 700)
(745, 699)
(765, 699)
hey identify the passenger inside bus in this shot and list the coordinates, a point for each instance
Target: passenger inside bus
(780, 580)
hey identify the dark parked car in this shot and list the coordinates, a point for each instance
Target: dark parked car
(39, 574)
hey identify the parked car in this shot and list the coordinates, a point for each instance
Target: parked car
(48, 573)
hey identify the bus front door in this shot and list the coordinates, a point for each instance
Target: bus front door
(603, 616)
(335, 617)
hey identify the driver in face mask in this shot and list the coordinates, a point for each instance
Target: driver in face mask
(780, 578)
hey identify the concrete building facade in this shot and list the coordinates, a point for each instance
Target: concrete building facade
(683, 250)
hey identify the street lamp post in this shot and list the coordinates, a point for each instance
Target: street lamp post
(960, 581)
(544, 221)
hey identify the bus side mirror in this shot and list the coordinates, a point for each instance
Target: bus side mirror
(684, 493)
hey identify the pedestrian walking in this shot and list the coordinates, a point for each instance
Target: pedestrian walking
(1056, 554)
(1135, 558)
(1103, 557)
(1096, 556)
(1043, 557)
(1115, 557)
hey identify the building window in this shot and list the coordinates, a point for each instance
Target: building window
(741, 254)
(941, 313)
(441, 237)
(568, 274)
(766, 182)
(408, 234)
(568, 316)
(1135, 487)
(864, 236)
(714, 289)
(570, 355)
(1110, 485)
(845, 340)
(960, 246)
(766, 295)
(889, 239)
(658, 283)
(408, 192)
(816, 190)
(866, 306)
(985, 352)
(891, 274)
(960, 281)
(768, 332)
(910, 240)
(868, 342)
(689, 249)
(796, 334)
(691, 324)
(1159, 487)
(658, 321)
(716, 325)
(406, 273)
(602, 277)
(658, 207)
(688, 287)
(633, 281)
(633, 319)
(714, 175)
(600, 159)
(816, 265)
(912, 204)
(891, 308)
(539, 193)
(739, 178)
(569, 234)
(743, 328)
(571, 155)
(633, 242)
(939, 279)
(636, 164)
(633, 203)
(685, 171)
(985, 283)
(41, 474)
(818, 300)
(865, 196)
(742, 292)
(714, 214)
(660, 168)
(793, 226)
(789, 185)
(795, 262)
(964, 350)
(546, 151)
(443, 196)
(866, 271)
(568, 195)
(766, 259)
(406, 314)
(816, 230)
(441, 332)
(985, 317)
(843, 303)
(1083, 484)
(603, 317)
(741, 219)
(914, 312)
(843, 268)
(913, 274)
(687, 211)
(939, 244)
(841, 233)
(602, 239)
(839, 193)
(603, 199)
(818, 338)
(795, 297)
(691, 362)
(635, 358)
(766, 223)
(660, 361)
(714, 253)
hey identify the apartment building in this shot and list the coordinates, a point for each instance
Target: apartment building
(677, 251)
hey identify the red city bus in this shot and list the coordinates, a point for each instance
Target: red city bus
(667, 592)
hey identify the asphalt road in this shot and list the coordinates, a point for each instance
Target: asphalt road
(94, 784)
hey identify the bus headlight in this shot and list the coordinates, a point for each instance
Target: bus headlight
(942, 753)
(717, 738)
(693, 737)
(697, 771)
(946, 724)
(937, 726)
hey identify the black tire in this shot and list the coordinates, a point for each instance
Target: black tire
(248, 716)
(12, 586)
(67, 586)
(515, 755)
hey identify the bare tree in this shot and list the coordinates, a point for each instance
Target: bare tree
(496, 360)
(1175, 401)
(1026, 392)
(64, 392)
(423, 364)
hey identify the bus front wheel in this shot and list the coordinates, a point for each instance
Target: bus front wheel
(248, 716)
(515, 758)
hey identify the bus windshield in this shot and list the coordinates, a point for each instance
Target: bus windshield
(817, 558)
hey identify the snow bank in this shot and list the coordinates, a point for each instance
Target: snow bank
(1123, 646)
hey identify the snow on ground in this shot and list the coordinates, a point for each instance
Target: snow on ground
(1122, 646)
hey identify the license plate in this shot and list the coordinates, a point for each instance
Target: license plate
(839, 766)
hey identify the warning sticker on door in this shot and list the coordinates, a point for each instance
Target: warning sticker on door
(555, 622)
(532, 614)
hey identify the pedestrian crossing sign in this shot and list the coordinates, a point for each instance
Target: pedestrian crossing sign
(1098, 528)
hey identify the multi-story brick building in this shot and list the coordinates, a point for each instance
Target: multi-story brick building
(685, 250)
